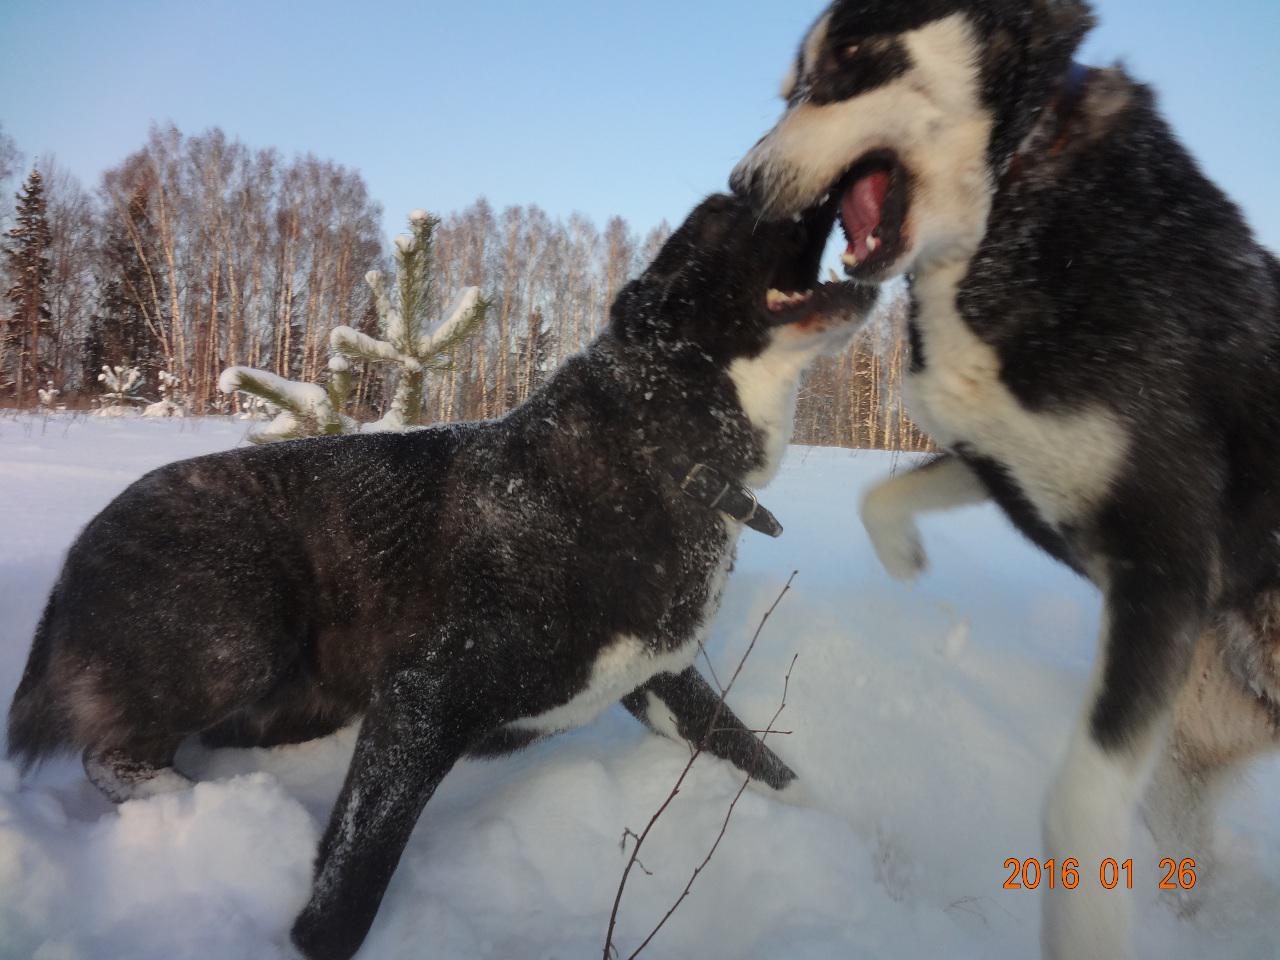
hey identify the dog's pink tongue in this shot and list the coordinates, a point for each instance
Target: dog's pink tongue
(860, 210)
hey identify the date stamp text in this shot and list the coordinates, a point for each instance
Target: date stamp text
(1112, 874)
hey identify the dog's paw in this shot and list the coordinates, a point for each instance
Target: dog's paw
(895, 537)
(794, 792)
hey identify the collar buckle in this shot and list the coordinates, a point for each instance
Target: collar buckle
(732, 499)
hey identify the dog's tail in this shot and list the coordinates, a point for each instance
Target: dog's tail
(38, 725)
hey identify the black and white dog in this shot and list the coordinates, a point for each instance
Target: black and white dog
(1096, 344)
(468, 589)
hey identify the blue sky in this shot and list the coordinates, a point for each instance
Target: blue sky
(637, 109)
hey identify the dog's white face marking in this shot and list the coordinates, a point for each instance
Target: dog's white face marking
(812, 49)
(1064, 462)
(768, 383)
(933, 118)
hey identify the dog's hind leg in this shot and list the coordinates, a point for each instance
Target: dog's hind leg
(415, 729)
(296, 712)
(889, 510)
(136, 773)
(1151, 621)
(251, 729)
(682, 706)
(1218, 726)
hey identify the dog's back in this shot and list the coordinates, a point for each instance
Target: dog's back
(260, 560)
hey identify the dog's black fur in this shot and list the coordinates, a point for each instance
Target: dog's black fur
(445, 583)
(1110, 279)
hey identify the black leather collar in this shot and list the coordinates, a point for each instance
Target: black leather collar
(1059, 114)
(715, 491)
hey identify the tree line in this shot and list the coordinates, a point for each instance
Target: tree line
(197, 253)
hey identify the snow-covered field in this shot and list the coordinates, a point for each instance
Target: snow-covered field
(926, 721)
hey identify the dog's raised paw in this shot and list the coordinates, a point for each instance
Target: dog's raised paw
(896, 540)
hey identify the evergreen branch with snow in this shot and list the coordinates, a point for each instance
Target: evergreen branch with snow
(354, 345)
(306, 409)
(466, 316)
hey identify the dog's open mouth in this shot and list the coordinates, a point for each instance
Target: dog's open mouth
(874, 196)
(795, 293)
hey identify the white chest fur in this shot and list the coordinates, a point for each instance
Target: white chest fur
(620, 668)
(629, 662)
(1063, 461)
(767, 385)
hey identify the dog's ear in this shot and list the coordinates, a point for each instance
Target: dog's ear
(1030, 46)
(1061, 24)
(711, 257)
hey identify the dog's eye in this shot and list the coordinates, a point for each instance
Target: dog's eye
(848, 52)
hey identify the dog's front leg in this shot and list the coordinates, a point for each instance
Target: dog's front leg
(1150, 624)
(412, 735)
(889, 510)
(682, 706)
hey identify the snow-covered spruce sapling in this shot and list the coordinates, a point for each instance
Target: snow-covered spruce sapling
(404, 320)
(121, 385)
(172, 402)
(48, 396)
(409, 343)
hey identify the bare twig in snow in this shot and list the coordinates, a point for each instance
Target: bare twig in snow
(610, 950)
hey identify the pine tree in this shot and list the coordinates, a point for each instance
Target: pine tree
(408, 346)
(122, 329)
(27, 254)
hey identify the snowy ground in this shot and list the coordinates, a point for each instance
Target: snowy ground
(926, 722)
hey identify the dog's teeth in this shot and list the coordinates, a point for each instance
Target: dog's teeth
(825, 198)
(796, 218)
(872, 244)
(781, 300)
(849, 260)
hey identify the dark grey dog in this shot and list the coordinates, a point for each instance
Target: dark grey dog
(468, 589)
(1096, 343)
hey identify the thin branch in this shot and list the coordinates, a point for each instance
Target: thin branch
(776, 733)
(724, 826)
(609, 949)
(706, 657)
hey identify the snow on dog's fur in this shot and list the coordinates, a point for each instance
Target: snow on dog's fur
(467, 589)
(1094, 334)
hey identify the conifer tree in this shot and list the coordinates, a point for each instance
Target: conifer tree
(408, 346)
(27, 255)
(122, 325)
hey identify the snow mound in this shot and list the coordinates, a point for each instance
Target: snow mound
(217, 871)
